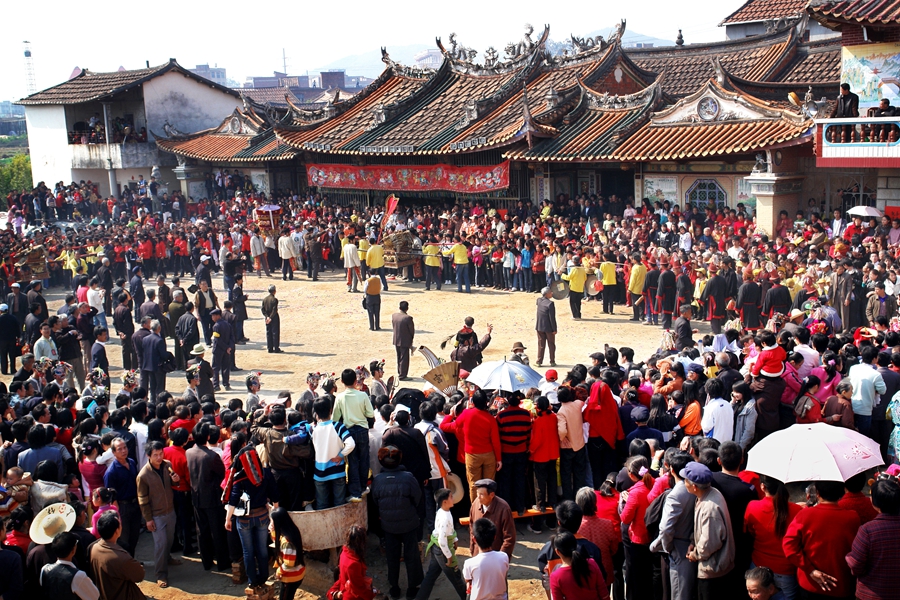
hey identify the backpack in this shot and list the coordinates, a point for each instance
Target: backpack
(802, 405)
(653, 514)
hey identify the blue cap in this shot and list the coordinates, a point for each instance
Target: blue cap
(696, 473)
(640, 414)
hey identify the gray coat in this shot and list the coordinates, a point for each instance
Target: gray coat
(713, 537)
(677, 520)
(745, 424)
(546, 316)
(404, 329)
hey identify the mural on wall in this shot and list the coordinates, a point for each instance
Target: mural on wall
(412, 178)
(260, 181)
(744, 195)
(873, 72)
(197, 190)
(587, 182)
(661, 188)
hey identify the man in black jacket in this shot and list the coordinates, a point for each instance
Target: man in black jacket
(397, 494)
(33, 324)
(136, 289)
(153, 355)
(124, 325)
(187, 332)
(207, 472)
(10, 333)
(846, 107)
(104, 275)
(66, 338)
(683, 331)
(18, 304)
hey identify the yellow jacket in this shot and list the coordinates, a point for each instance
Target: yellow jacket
(459, 253)
(375, 256)
(636, 281)
(362, 246)
(431, 255)
(609, 273)
(576, 278)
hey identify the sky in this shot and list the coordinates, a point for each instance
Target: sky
(247, 39)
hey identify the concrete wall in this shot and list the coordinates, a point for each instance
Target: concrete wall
(741, 30)
(48, 144)
(888, 188)
(187, 105)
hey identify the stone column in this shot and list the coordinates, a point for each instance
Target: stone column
(774, 192)
(888, 194)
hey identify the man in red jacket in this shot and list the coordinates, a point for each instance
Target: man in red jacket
(818, 539)
(479, 436)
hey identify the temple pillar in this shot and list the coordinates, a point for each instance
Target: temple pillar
(774, 192)
(192, 180)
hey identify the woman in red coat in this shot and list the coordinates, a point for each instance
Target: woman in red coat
(638, 560)
(353, 583)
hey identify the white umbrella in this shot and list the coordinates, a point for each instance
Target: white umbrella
(864, 211)
(815, 452)
(504, 375)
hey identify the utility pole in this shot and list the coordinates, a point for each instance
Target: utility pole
(30, 84)
(284, 61)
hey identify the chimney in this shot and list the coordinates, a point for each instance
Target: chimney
(148, 64)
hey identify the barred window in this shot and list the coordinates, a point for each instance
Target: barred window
(706, 191)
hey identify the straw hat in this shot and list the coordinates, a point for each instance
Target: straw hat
(198, 350)
(53, 520)
(455, 485)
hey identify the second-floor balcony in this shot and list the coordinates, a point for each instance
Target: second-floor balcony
(867, 142)
(133, 155)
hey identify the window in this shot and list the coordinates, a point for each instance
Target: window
(706, 191)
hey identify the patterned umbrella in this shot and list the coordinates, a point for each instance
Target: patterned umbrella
(504, 375)
(815, 452)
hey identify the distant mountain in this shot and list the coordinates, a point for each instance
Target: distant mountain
(368, 64)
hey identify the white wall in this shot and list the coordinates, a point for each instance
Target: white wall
(48, 144)
(188, 105)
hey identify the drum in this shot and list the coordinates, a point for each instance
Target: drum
(559, 289)
(591, 285)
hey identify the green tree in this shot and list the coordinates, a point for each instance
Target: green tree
(15, 175)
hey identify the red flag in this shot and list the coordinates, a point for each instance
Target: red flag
(390, 206)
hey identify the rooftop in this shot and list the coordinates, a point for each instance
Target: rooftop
(764, 10)
(876, 12)
(89, 86)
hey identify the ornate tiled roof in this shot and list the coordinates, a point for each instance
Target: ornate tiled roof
(594, 128)
(876, 12)
(764, 10)
(243, 136)
(687, 67)
(813, 62)
(275, 96)
(89, 86)
(714, 121)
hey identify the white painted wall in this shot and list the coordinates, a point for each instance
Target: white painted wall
(48, 144)
(188, 105)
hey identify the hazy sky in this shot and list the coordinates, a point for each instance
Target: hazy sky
(247, 37)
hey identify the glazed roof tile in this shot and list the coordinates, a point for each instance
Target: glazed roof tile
(686, 68)
(594, 131)
(89, 86)
(816, 62)
(217, 147)
(763, 10)
(884, 12)
(275, 96)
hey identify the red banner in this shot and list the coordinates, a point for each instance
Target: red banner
(469, 180)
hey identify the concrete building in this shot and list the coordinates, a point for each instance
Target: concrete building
(101, 126)
(214, 73)
(757, 17)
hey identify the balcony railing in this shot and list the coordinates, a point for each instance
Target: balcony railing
(863, 142)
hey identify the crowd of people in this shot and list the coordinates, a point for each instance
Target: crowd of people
(637, 466)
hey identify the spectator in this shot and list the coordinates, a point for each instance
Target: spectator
(354, 408)
(486, 571)
(333, 443)
(207, 471)
(154, 488)
(874, 553)
(115, 571)
(479, 436)
(579, 577)
(63, 579)
(713, 541)
(121, 475)
(442, 549)
(766, 521)
(397, 494)
(489, 506)
(818, 539)
(676, 531)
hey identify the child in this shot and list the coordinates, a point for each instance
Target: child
(18, 483)
(332, 443)
(486, 572)
(103, 499)
(289, 558)
(442, 548)
(352, 582)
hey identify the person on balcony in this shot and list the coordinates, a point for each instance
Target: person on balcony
(846, 107)
(882, 133)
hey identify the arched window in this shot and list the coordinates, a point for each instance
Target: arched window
(705, 191)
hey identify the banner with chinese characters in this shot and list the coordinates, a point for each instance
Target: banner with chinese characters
(466, 180)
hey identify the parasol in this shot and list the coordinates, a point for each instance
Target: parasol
(814, 452)
(504, 375)
(864, 211)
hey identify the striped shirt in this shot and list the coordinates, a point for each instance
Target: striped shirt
(330, 440)
(515, 429)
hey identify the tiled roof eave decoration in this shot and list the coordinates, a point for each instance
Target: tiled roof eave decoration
(89, 86)
(831, 13)
(754, 11)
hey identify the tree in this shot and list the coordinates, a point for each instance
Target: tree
(15, 175)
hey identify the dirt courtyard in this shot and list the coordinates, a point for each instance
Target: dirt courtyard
(324, 328)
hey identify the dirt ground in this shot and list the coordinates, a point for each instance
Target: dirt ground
(324, 328)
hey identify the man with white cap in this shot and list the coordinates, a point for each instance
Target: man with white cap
(712, 546)
(18, 304)
(204, 272)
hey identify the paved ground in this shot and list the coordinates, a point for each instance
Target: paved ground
(324, 328)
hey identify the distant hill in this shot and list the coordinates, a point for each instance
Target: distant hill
(368, 64)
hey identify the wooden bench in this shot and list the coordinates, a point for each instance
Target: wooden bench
(528, 514)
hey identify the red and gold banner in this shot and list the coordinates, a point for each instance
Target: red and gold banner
(468, 180)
